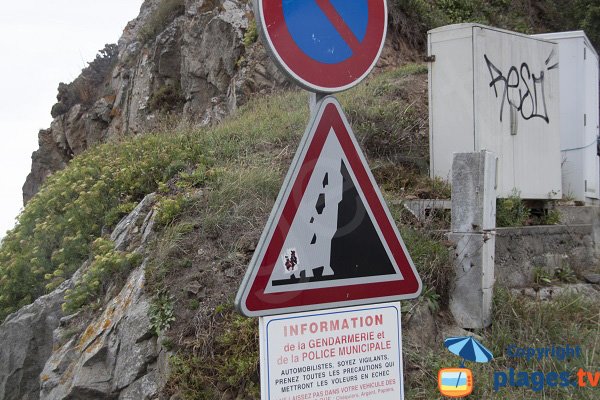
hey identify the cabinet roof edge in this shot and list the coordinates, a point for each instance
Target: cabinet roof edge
(567, 35)
(447, 28)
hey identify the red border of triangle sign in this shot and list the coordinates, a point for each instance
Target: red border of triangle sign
(254, 298)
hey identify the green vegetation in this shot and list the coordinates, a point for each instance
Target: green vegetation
(541, 276)
(432, 299)
(251, 34)
(57, 227)
(161, 312)
(564, 274)
(106, 264)
(224, 362)
(169, 208)
(415, 17)
(511, 211)
(166, 12)
(550, 217)
(167, 98)
(569, 319)
(432, 258)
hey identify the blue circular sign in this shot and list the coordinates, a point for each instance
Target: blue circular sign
(317, 36)
(325, 45)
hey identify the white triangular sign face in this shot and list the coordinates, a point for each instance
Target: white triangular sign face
(330, 240)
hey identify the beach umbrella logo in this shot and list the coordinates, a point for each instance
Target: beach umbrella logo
(458, 382)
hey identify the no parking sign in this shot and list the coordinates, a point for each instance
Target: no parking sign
(325, 45)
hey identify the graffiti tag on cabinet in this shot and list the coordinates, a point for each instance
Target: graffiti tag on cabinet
(521, 89)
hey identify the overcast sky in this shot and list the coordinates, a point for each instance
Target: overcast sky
(43, 43)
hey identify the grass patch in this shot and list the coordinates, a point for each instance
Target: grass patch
(431, 256)
(569, 319)
(225, 360)
(409, 182)
(241, 197)
(389, 115)
(511, 211)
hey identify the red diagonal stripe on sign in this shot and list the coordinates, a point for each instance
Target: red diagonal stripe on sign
(339, 24)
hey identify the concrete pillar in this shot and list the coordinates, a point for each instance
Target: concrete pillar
(474, 234)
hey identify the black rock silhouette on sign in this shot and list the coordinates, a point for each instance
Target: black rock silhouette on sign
(356, 248)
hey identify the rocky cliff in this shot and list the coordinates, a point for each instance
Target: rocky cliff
(196, 59)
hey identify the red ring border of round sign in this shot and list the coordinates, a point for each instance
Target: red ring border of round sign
(311, 74)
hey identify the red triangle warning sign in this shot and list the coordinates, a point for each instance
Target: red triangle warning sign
(330, 240)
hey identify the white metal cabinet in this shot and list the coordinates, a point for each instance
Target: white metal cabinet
(578, 70)
(496, 90)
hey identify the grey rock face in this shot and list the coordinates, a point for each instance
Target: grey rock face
(135, 228)
(114, 356)
(196, 65)
(26, 343)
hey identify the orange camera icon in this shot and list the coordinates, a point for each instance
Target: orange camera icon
(455, 382)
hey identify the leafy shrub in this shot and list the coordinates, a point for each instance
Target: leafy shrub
(85, 89)
(169, 208)
(511, 211)
(166, 12)
(251, 34)
(167, 98)
(58, 225)
(106, 262)
(161, 312)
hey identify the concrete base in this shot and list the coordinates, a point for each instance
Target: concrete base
(472, 291)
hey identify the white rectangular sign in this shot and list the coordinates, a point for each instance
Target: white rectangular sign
(338, 354)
